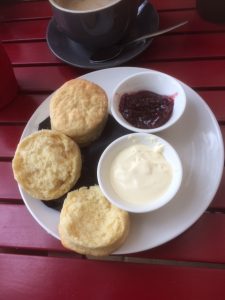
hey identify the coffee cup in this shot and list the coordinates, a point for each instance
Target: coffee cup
(94, 23)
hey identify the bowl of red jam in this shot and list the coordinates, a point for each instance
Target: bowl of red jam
(148, 102)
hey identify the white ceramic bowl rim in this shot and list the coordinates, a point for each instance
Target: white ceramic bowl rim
(114, 148)
(154, 81)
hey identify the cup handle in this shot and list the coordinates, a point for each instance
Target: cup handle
(137, 8)
(141, 6)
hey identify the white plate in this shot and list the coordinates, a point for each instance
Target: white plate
(197, 139)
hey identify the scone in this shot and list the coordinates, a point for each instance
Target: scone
(79, 109)
(90, 224)
(47, 164)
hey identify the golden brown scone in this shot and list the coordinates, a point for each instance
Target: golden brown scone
(90, 224)
(79, 109)
(47, 164)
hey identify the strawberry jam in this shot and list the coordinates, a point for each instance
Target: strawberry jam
(145, 109)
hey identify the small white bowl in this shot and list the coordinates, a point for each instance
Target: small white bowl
(156, 82)
(112, 151)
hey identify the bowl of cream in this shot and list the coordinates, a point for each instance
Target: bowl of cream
(139, 172)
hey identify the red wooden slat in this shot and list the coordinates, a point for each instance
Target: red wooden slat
(219, 199)
(10, 136)
(31, 277)
(199, 243)
(28, 103)
(30, 53)
(177, 47)
(170, 47)
(195, 24)
(20, 230)
(45, 79)
(173, 4)
(223, 133)
(196, 74)
(204, 74)
(8, 187)
(23, 30)
(24, 10)
(216, 101)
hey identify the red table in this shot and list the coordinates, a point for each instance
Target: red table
(34, 265)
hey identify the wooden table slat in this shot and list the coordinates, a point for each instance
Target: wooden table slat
(9, 190)
(10, 136)
(20, 230)
(216, 101)
(45, 78)
(44, 277)
(204, 74)
(23, 30)
(25, 10)
(173, 4)
(29, 103)
(198, 243)
(197, 74)
(195, 22)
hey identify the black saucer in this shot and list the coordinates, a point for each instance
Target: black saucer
(74, 54)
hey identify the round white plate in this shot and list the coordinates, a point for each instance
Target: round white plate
(197, 139)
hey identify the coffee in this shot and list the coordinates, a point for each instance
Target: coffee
(83, 5)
